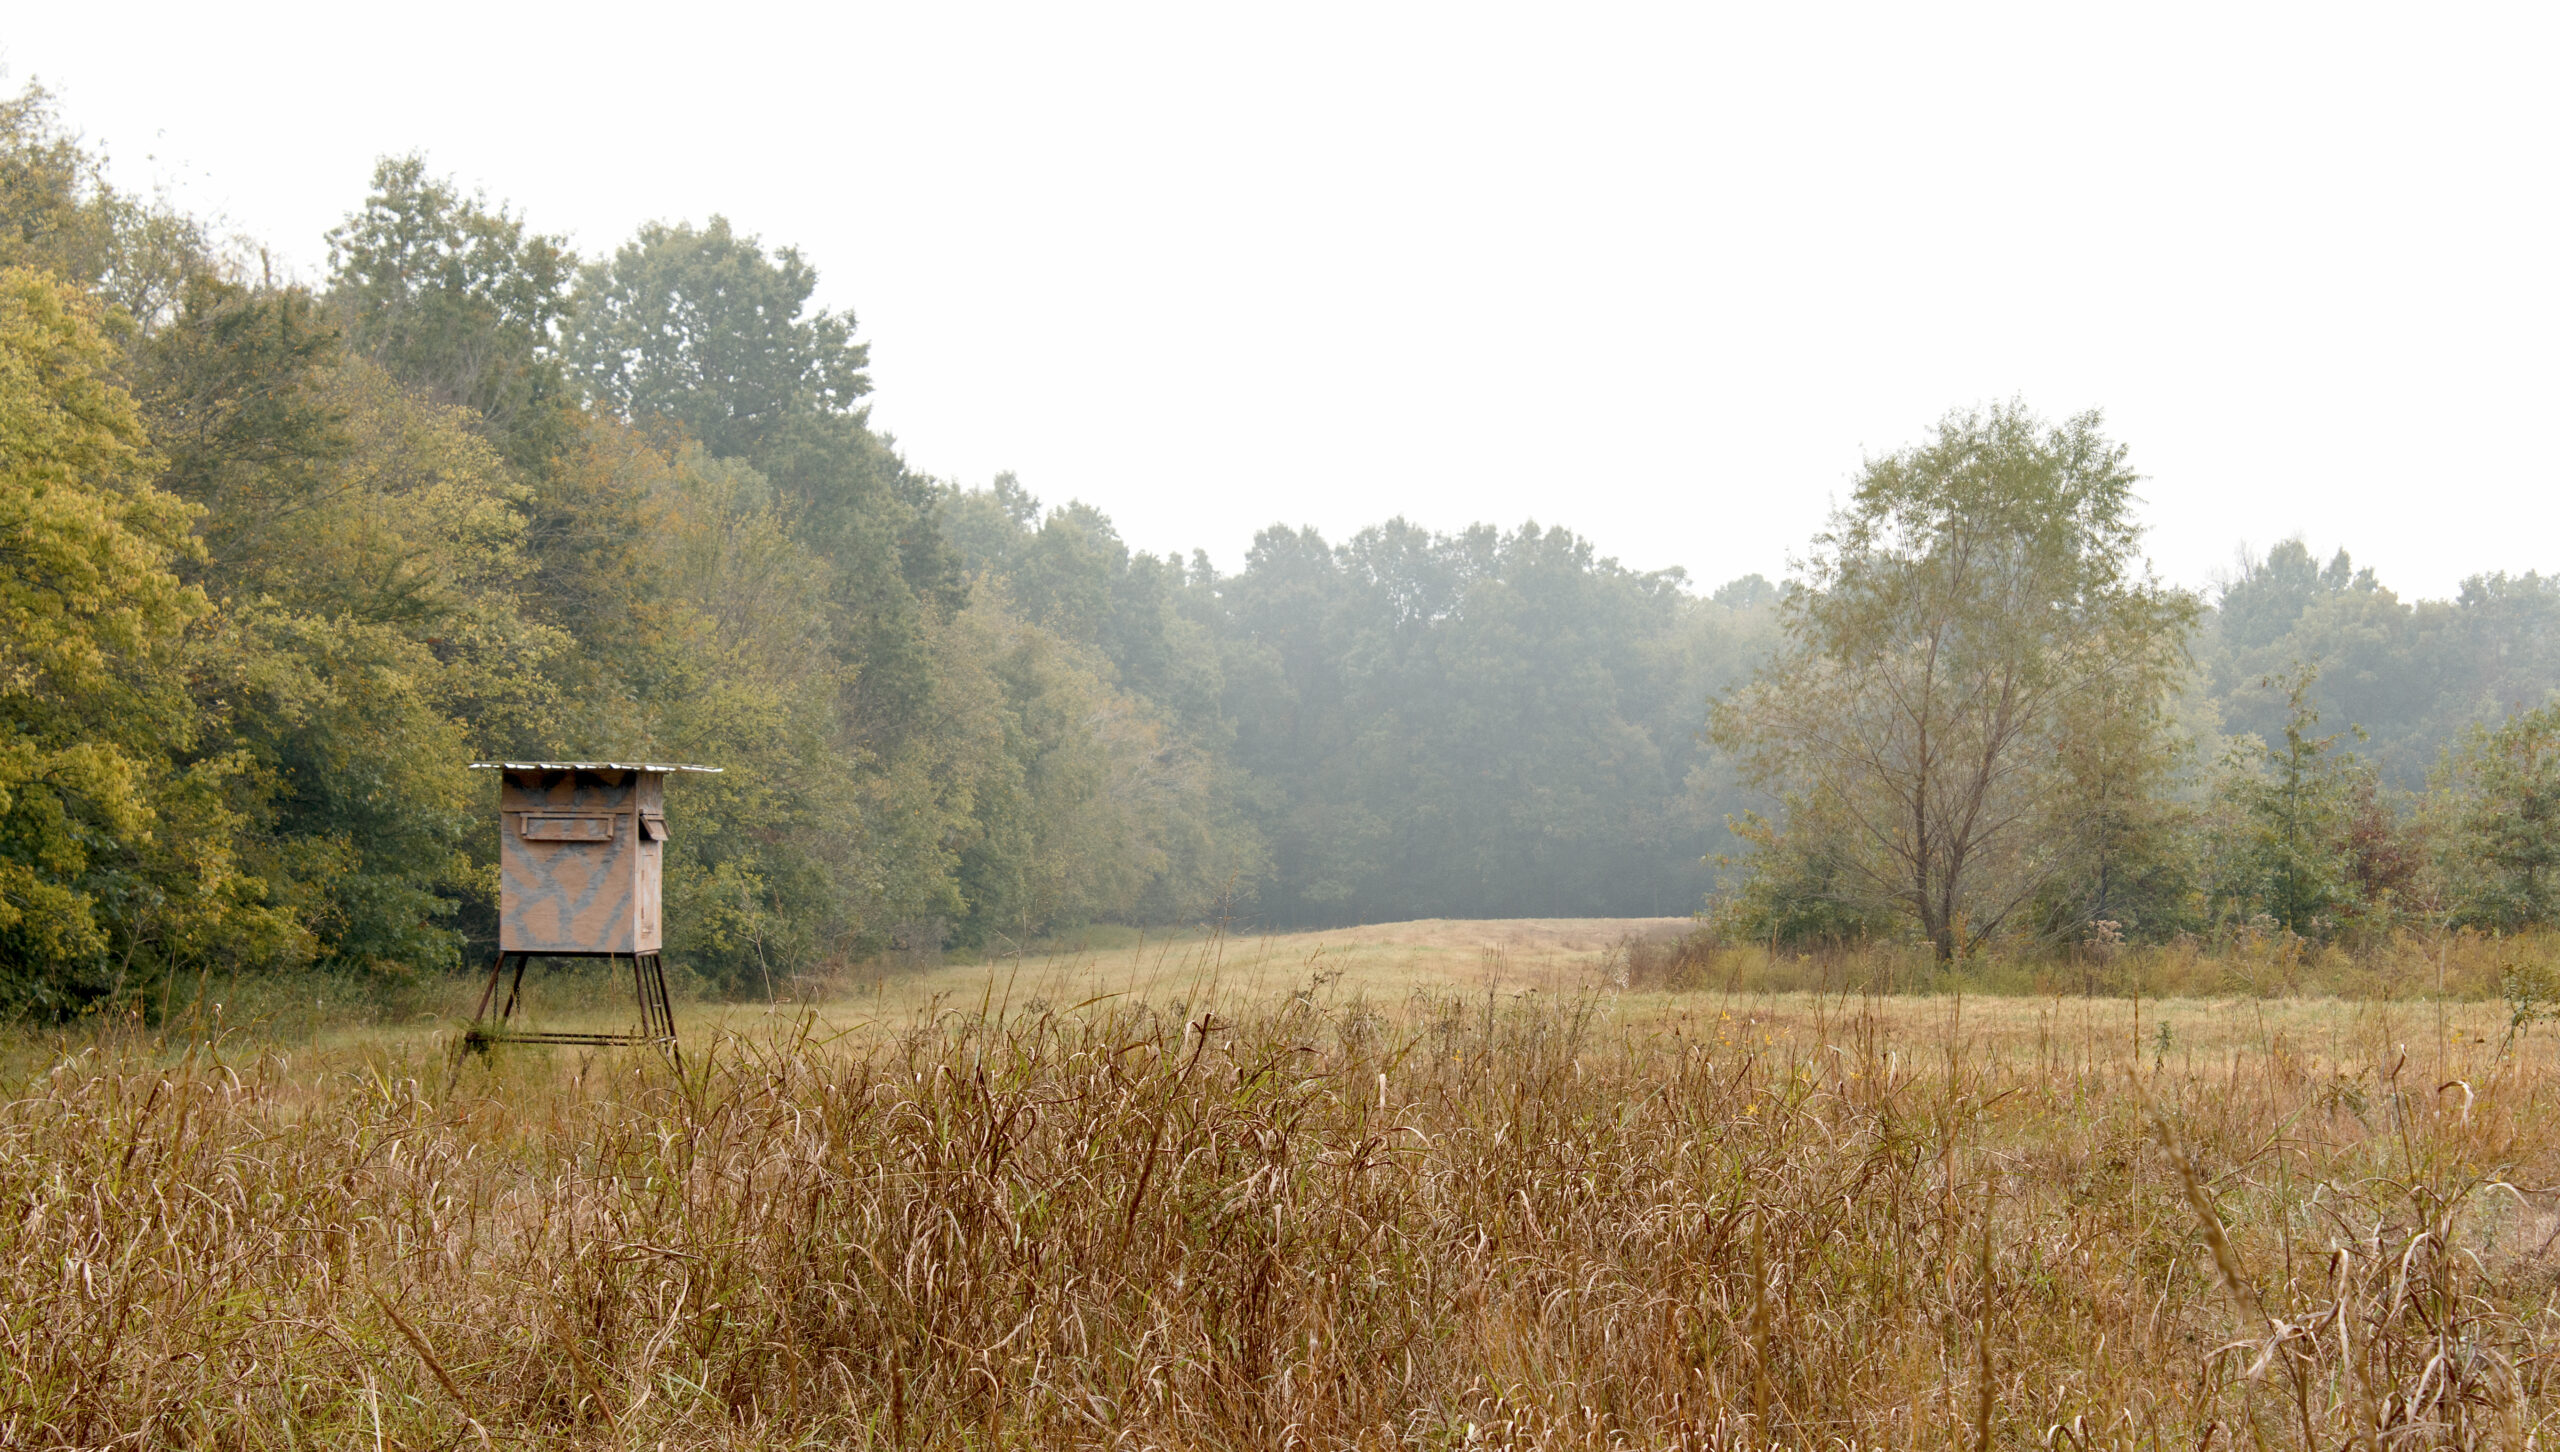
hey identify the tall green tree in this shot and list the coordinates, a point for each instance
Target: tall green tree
(2270, 594)
(2504, 849)
(2291, 808)
(1978, 610)
(2124, 834)
(58, 213)
(457, 298)
(1109, 792)
(705, 331)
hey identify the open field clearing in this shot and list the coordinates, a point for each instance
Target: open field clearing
(1511, 959)
(1176, 971)
(1382, 962)
(1444, 1217)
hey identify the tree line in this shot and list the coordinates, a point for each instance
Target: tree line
(1989, 723)
(277, 559)
(281, 558)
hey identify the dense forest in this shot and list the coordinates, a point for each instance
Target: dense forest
(278, 559)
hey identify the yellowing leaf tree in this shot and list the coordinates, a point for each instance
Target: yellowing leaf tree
(111, 837)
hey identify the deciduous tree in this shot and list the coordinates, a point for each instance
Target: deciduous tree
(114, 839)
(2505, 846)
(1975, 615)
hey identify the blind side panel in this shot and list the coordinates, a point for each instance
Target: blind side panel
(569, 864)
(568, 897)
(649, 803)
(645, 895)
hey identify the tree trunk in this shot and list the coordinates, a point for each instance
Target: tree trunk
(1938, 922)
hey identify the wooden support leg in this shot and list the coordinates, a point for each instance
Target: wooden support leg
(646, 971)
(666, 1010)
(472, 1042)
(640, 995)
(649, 991)
(659, 1024)
(489, 994)
(515, 990)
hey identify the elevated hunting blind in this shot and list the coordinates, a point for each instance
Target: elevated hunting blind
(581, 845)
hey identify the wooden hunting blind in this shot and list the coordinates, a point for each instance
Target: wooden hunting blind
(581, 846)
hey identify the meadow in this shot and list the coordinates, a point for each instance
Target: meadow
(1454, 1184)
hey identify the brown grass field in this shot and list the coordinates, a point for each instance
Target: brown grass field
(1424, 1185)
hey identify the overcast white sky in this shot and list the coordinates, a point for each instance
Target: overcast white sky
(1662, 274)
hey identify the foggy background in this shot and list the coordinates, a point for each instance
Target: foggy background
(1659, 274)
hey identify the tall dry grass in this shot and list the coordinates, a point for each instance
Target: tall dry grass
(2243, 962)
(1479, 1221)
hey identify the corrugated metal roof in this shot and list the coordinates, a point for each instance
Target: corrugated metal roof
(587, 766)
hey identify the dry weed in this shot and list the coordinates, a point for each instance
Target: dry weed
(1465, 1222)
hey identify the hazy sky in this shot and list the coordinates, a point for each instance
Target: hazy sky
(1661, 274)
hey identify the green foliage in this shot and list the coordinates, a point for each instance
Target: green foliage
(1483, 724)
(703, 328)
(704, 332)
(1099, 782)
(367, 546)
(777, 865)
(365, 827)
(459, 300)
(2505, 844)
(2125, 865)
(1801, 888)
(2283, 856)
(236, 392)
(59, 214)
(114, 836)
(2531, 988)
(2413, 676)
(2271, 595)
